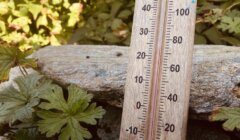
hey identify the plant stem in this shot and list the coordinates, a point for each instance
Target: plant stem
(25, 70)
(21, 70)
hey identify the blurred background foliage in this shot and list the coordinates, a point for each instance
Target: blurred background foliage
(38, 23)
(106, 22)
(218, 22)
(110, 21)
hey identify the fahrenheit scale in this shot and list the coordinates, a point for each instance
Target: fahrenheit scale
(159, 74)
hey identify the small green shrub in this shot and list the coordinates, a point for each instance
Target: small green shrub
(37, 23)
(106, 22)
(64, 116)
(218, 22)
(11, 56)
(231, 116)
(36, 96)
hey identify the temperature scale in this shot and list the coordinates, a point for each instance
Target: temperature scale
(159, 74)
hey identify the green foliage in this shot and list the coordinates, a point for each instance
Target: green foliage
(18, 103)
(106, 22)
(34, 96)
(37, 23)
(11, 57)
(218, 22)
(110, 22)
(25, 134)
(34, 24)
(64, 116)
(231, 116)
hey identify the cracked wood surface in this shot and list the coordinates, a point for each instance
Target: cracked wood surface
(102, 71)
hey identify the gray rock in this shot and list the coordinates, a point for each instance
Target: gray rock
(102, 70)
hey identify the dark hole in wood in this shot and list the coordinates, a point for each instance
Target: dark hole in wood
(87, 57)
(119, 54)
(238, 85)
(236, 90)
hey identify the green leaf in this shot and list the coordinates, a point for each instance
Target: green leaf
(214, 17)
(64, 116)
(230, 4)
(38, 40)
(56, 2)
(57, 27)
(75, 10)
(18, 103)
(199, 39)
(125, 14)
(74, 131)
(11, 57)
(111, 38)
(42, 21)
(231, 116)
(21, 23)
(35, 9)
(13, 37)
(214, 35)
(117, 24)
(3, 8)
(232, 25)
(66, 3)
(232, 41)
(200, 27)
(54, 41)
(115, 7)
(26, 134)
(2, 28)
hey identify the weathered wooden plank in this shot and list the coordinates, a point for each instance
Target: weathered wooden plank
(102, 71)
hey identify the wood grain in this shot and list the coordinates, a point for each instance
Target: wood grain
(102, 70)
(147, 111)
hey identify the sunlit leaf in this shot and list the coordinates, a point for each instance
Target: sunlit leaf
(75, 9)
(68, 113)
(2, 28)
(35, 9)
(17, 103)
(232, 25)
(231, 116)
(3, 8)
(11, 57)
(56, 2)
(42, 21)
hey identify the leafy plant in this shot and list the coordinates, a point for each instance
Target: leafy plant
(110, 22)
(218, 22)
(34, 95)
(59, 115)
(231, 116)
(11, 57)
(106, 22)
(25, 134)
(18, 103)
(37, 23)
